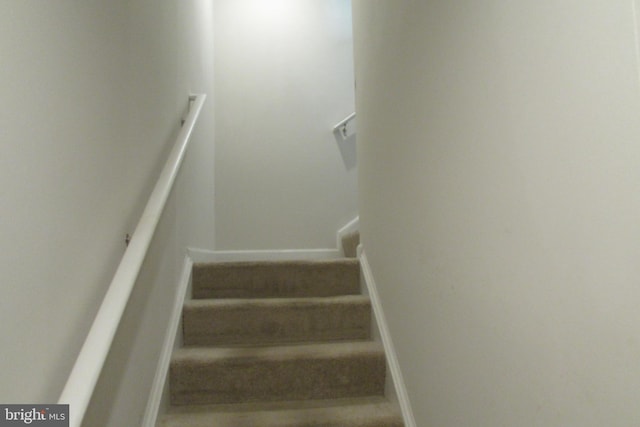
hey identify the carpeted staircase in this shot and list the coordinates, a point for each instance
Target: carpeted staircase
(278, 344)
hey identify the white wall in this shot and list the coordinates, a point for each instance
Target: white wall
(284, 77)
(90, 103)
(173, 38)
(499, 163)
(63, 167)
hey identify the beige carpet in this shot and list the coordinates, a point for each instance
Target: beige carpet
(278, 344)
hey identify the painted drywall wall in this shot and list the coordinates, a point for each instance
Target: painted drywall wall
(63, 167)
(175, 39)
(284, 78)
(499, 169)
(90, 103)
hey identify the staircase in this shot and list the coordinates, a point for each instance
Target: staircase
(278, 344)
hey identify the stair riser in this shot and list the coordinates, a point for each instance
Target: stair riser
(389, 421)
(284, 280)
(252, 379)
(355, 416)
(276, 324)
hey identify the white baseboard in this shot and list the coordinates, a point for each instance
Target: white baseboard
(353, 225)
(203, 255)
(207, 255)
(399, 389)
(159, 381)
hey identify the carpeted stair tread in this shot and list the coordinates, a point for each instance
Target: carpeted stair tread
(296, 372)
(276, 320)
(276, 279)
(278, 344)
(362, 412)
(313, 350)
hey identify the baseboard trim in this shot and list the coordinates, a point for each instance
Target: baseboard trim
(203, 255)
(159, 381)
(385, 336)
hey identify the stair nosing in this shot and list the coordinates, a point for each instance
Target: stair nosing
(316, 262)
(285, 405)
(312, 350)
(277, 301)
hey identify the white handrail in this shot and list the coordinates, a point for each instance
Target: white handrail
(86, 371)
(342, 125)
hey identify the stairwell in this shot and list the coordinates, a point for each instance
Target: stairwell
(284, 344)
